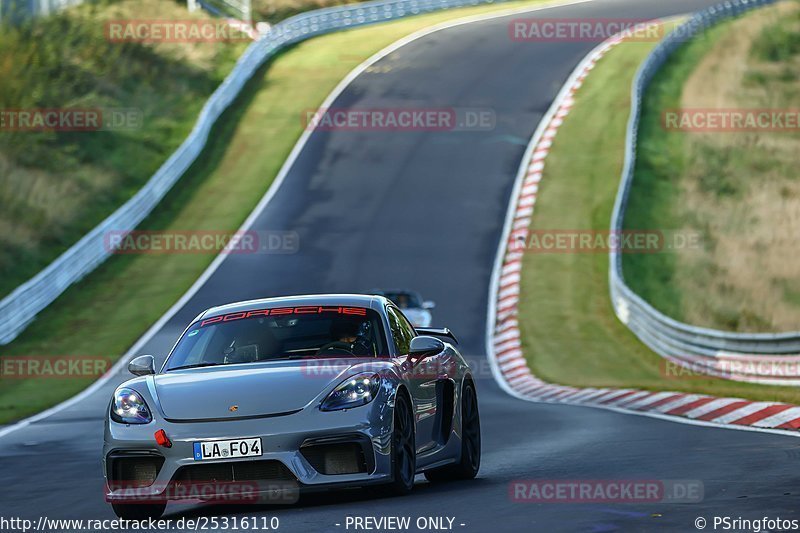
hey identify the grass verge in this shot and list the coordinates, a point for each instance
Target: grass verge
(570, 334)
(739, 192)
(57, 185)
(273, 11)
(105, 313)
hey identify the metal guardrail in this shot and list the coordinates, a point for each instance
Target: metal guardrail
(742, 356)
(22, 305)
(239, 10)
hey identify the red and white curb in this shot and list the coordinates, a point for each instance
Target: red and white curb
(508, 361)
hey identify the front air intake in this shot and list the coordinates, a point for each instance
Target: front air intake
(270, 470)
(336, 458)
(133, 471)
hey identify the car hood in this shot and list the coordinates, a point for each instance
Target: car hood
(248, 390)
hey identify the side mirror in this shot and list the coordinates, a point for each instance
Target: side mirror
(144, 365)
(424, 346)
(428, 304)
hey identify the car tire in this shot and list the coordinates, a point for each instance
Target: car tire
(138, 511)
(404, 450)
(470, 462)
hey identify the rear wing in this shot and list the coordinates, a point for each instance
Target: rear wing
(438, 332)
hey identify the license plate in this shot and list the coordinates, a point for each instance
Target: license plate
(227, 449)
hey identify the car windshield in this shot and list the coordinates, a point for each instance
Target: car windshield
(404, 300)
(280, 333)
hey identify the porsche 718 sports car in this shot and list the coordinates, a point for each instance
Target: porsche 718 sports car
(287, 395)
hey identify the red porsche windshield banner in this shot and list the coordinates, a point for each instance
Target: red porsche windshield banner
(284, 311)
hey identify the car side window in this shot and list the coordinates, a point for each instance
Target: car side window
(406, 325)
(402, 331)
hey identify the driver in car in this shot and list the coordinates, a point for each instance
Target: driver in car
(351, 338)
(345, 331)
(402, 301)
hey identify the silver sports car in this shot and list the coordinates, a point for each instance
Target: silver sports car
(262, 400)
(415, 309)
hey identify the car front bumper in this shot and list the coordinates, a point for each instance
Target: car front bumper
(286, 439)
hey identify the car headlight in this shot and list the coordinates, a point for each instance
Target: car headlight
(355, 391)
(129, 407)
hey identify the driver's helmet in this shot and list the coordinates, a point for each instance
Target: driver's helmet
(343, 328)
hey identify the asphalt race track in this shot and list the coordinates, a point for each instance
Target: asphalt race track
(424, 210)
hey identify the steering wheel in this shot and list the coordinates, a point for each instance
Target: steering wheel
(336, 348)
(361, 346)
